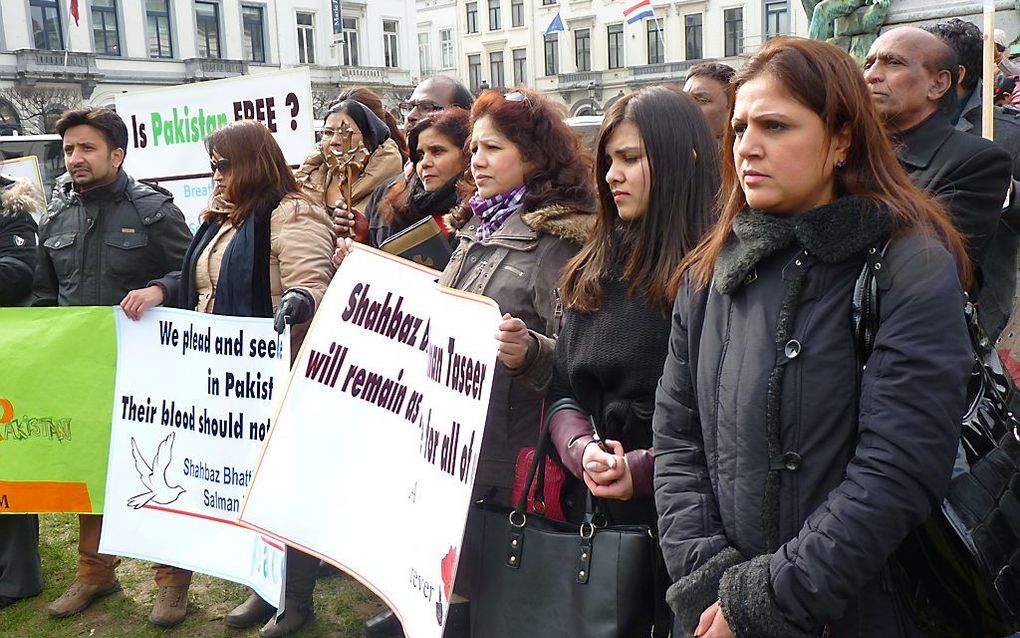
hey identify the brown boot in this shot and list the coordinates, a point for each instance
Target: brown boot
(251, 612)
(79, 596)
(171, 606)
(295, 616)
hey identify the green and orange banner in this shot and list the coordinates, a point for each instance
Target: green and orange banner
(57, 376)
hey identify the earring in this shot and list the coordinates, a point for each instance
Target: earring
(840, 163)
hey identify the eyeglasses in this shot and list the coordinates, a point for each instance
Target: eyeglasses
(425, 106)
(221, 165)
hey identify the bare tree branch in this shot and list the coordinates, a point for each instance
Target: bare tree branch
(39, 107)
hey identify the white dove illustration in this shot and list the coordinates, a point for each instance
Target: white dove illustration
(154, 476)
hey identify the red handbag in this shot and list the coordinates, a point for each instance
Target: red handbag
(546, 491)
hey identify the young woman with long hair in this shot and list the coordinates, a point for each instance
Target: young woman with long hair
(263, 250)
(787, 472)
(657, 174)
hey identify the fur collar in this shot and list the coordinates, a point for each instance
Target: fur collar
(569, 223)
(831, 233)
(19, 197)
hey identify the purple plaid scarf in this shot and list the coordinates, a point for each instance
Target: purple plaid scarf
(496, 209)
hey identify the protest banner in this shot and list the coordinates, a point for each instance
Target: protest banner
(372, 457)
(56, 399)
(167, 128)
(192, 405)
(26, 167)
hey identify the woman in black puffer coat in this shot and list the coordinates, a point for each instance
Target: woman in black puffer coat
(785, 476)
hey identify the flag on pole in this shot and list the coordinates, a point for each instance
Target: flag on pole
(74, 11)
(556, 25)
(638, 11)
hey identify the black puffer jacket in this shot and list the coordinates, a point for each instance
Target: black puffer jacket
(784, 477)
(18, 201)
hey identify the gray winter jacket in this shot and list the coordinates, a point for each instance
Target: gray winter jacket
(784, 476)
(97, 246)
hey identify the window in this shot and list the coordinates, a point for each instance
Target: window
(494, 15)
(656, 50)
(552, 54)
(446, 47)
(692, 35)
(496, 75)
(777, 18)
(474, 72)
(306, 38)
(105, 38)
(157, 24)
(254, 40)
(46, 25)
(424, 54)
(350, 48)
(207, 24)
(582, 49)
(472, 17)
(549, 2)
(517, 13)
(520, 66)
(733, 19)
(615, 37)
(390, 44)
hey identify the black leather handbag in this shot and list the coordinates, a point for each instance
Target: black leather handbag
(541, 577)
(959, 573)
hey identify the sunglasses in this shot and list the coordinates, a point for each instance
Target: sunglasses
(221, 165)
(515, 96)
(425, 106)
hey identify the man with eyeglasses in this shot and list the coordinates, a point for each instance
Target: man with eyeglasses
(433, 94)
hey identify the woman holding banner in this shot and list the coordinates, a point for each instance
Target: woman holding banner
(263, 250)
(350, 127)
(529, 214)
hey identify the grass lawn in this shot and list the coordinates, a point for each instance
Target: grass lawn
(341, 603)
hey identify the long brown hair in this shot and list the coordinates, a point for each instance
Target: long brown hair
(825, 79)
(259, 174)
(683, 163)
(560, 168)
(374, 103)
(454, 125)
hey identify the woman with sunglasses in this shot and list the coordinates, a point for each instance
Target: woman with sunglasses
(322, 177)
(263, 250)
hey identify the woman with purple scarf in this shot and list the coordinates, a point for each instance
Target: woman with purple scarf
(530, 213)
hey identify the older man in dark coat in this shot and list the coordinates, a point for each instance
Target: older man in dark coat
(1000, 266)
(912, 75)
(20, 569)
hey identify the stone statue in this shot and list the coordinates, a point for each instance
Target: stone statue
(849, 24)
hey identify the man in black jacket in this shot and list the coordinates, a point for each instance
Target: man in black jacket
(1000, 266)
(911, 75)
(101, 244)
(20, 569)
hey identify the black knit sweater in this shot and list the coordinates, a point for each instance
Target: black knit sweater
(610, 361)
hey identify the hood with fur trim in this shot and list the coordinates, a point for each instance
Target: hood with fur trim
(18, 196)
(567, 222)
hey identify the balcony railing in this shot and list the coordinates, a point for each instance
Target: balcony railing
(198, 69)
(579, 79)
(374, 75)
(664, 70)
(39, 64)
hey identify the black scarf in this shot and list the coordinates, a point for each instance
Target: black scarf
(242, 289)
(438, 202)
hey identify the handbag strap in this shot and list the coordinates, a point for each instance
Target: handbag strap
(542, 449)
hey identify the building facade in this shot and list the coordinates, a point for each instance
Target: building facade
(50, 59)
(438, 40)
(599, 56)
